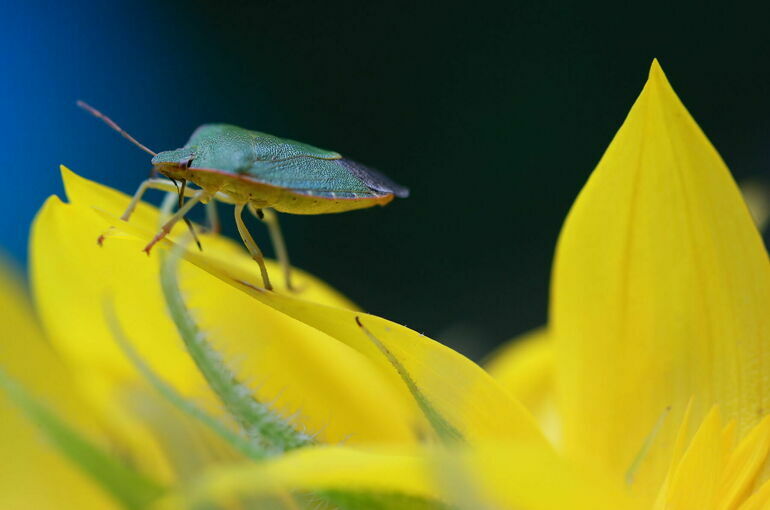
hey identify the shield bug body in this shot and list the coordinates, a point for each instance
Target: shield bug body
(262, 173)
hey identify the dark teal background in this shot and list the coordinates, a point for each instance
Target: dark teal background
(493, 113)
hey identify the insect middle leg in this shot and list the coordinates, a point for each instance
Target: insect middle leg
(270, 217)
(198, 196)
(212, 216)
(251, 245)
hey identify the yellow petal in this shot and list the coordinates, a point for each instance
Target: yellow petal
(459, 390)
(33, 474)
(320, 469)
(110, 202)
(760, 500)
(523, 475)
(464, 394)
(506, 475)
(333, 389)
(695, 481)
(743, 465)
(712, 472)
(524, 366)
(661, 289)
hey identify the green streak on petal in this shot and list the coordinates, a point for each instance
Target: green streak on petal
(441, 426)
(358, 500)
(128, 487)
(251, 450)
(645, 449)
(266, 428)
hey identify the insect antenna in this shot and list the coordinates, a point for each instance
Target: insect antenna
(99, 115)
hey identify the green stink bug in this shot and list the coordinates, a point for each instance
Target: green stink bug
(262, 173)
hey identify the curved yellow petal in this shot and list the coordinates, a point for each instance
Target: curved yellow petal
(320, 469)
(33, 474)
(328, 388)
(661, 292)
(524, 366)
(498, 475)
(459, 390)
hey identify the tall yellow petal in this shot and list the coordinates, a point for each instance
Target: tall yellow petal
(661, 292)
(325, 386)
(33, 474)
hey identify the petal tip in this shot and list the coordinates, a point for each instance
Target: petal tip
(66, 174)
(656, 73)
(657, 77)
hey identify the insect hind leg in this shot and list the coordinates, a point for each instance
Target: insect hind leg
(270, 218)
(251, 245)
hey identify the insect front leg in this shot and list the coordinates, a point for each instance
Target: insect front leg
(199, 195)
(270, 218)
(153, 183)
(251, 245)
(161, 184)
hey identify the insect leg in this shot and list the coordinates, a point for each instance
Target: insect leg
(166, 207)
(212, 215)
(270, 217)
(166, 228)
(187, 221)
(153, 183)
(254, 250)
(161, 184)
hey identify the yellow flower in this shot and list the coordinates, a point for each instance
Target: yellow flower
(649, 380)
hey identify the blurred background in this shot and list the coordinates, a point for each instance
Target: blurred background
(494, 114)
